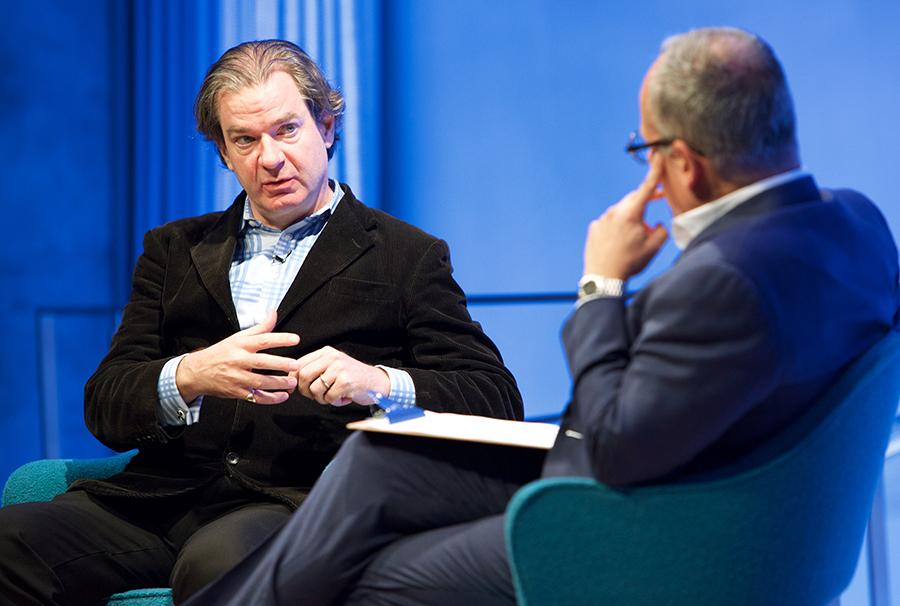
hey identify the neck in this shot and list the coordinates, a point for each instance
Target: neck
(720, 186)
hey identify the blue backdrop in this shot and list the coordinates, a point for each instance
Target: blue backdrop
(498, 126)
(508, 128)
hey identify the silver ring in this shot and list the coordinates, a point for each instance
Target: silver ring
(251, 395)
(325, 383)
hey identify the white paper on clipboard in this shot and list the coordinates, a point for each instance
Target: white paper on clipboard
(468, 428)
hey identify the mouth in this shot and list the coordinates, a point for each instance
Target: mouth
(278, 185)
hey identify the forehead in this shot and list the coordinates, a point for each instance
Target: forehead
(275, 97)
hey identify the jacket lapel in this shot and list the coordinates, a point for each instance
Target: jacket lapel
(345, 237)
(213, 254)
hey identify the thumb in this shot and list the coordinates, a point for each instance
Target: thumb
(267, 324)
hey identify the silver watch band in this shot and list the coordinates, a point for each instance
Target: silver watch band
(592, 286)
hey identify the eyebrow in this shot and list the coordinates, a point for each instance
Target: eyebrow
(288, 117)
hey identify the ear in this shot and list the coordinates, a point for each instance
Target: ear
(692, 168)
(326, 129)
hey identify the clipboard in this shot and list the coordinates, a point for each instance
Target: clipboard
(466, 428)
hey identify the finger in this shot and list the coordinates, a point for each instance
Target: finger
(268, 398)
(275, 383)
(249, 381)
(654, 173)
(314, 364)
(269, 340)
(320, 388)
(338, 391)
(636, 202)
(328, 352)
(334, 388)
(303, 389)
(310, 372)
(261, 361)
(307, 380)
(308, 369)
(267, 325)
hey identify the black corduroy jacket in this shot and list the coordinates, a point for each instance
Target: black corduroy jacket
(372, 286)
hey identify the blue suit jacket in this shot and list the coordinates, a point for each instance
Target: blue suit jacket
(757, 318)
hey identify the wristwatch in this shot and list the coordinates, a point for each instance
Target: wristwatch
(592, 286)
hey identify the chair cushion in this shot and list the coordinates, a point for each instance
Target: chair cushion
(42, 480)
(142, 597)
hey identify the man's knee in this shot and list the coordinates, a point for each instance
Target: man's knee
(202, 563)
(222, 544)
(459, 564)
(374, 455)
(197, 567)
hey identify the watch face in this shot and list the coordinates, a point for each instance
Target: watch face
(589, 288)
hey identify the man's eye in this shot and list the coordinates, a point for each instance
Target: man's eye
(289, 129)
(243, 140)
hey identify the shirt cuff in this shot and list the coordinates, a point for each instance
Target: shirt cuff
(172, 409)
(403, 390)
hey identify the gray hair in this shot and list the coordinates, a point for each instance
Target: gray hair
(723, 92)
(251, 64)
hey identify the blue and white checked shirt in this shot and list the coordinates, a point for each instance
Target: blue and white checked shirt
(266, 262)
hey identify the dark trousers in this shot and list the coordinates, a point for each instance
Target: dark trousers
(393, 520)
(79, 549)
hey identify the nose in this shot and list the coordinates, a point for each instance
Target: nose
(271, 157)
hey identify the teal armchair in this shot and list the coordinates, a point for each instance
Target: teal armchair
(783, 527)
(43, 480)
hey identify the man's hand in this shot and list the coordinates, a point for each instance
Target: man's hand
(620, 244)
(329, 376)
(225, 369)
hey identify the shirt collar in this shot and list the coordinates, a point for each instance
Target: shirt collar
(251, 222)
(689, 225)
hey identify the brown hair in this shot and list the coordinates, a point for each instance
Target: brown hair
(251, 64)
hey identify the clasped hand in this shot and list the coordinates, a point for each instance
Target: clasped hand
(226, 370)
(620, 243)
(330, 376)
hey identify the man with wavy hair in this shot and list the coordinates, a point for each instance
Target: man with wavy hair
(251, 338)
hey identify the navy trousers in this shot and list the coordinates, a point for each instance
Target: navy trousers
(394, 520)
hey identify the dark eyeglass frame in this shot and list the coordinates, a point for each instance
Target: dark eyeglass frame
(638, 148)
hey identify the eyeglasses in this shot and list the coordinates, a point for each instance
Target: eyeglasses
(638, 148)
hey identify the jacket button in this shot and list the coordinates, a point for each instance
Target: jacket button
(232, 458)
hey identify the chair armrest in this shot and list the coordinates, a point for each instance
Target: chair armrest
(142, 597)
(44, 479)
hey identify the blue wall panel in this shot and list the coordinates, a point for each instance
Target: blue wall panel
(507, 126)
(63, 209)
(529, 339)
(70, 343)
(506, 122)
